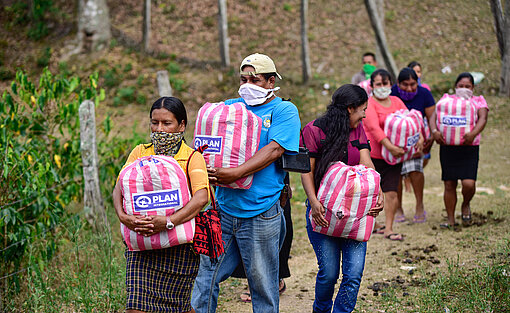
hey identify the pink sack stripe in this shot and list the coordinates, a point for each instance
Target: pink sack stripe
(366, 85)
(155, 185)
(403, 129)
(455, 117)
(348, 193)
(232, 134)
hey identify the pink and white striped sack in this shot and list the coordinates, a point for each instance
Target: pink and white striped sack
(455, 117)
(366, 85)
(403, 129)
(232, 134)
(348, 193)
(155, 185)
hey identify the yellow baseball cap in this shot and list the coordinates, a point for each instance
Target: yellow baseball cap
(261, 63)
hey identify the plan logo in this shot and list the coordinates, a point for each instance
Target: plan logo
(147, 161)
(411, 141)
(213, 142)
(154, 200)
(455, 121)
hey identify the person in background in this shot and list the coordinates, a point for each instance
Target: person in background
(418, 98)
(461, 162)
(419, 72)
(338, 135)
(252, 222)
(380, 105)
(369, 66)
(152, 274)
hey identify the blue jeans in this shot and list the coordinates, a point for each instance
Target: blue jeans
(255, 242)
(329, 250)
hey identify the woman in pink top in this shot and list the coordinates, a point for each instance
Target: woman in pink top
(380, 105)
(461, 162)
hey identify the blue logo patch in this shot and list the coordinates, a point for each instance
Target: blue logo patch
(456, 121)
(154, 200)
(411, 141)
(147, 161)
(213, 142)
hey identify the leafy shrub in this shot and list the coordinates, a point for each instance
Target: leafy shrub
(127, 94)
(111, 78)
(173, 68)
(44, 59)
(41, 164)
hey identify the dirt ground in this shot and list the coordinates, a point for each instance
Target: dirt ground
(424, 253)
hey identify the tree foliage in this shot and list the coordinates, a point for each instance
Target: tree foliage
(40, 170)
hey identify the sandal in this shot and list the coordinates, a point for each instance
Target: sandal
(394, 237)
(420, 218)
(282, 288)
(379, 230)
(448, 225)
(400, 218)
(245, 297)
(467, 220)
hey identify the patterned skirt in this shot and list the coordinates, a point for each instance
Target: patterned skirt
(161, 280)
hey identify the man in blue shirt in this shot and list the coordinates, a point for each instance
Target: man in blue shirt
(252, 220)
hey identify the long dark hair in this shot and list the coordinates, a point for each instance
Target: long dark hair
(173, 105)
(336, 125)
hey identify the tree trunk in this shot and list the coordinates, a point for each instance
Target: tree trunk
(92, 200)
(375, 20)
(164, 88)
(223, 32)
(146, 27)
(93, 25)
(305, 50)
(499, 24)
(502, 29)
(378, 53)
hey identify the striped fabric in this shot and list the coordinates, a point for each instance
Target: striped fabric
(347, 193)
(366, 85)
(161, 280)
(403, 129)
(232, 134)
(455, 117)
(155, 185)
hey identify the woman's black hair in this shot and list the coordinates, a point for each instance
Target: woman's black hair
(385, 76)
(335, 123)
(407, 73)
(413, 64)
(173, 105)
(465, 75)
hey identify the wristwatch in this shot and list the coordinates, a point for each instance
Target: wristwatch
(169, 224)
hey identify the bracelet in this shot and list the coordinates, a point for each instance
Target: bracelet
(435, 130)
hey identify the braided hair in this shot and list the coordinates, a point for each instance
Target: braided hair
(335, 123)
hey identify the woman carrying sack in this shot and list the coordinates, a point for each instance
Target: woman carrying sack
(459, 137)
(338, 135)
(161, 280)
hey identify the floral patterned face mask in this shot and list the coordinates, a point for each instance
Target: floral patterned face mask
(166, 143)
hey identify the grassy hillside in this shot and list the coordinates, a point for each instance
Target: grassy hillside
(87, 274)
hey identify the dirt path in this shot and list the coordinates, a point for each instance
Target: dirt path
(425, 252)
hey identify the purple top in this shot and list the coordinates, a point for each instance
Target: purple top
(314, 138)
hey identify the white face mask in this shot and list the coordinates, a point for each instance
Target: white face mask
(464, 93)
(255, 95)
(382, 92)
